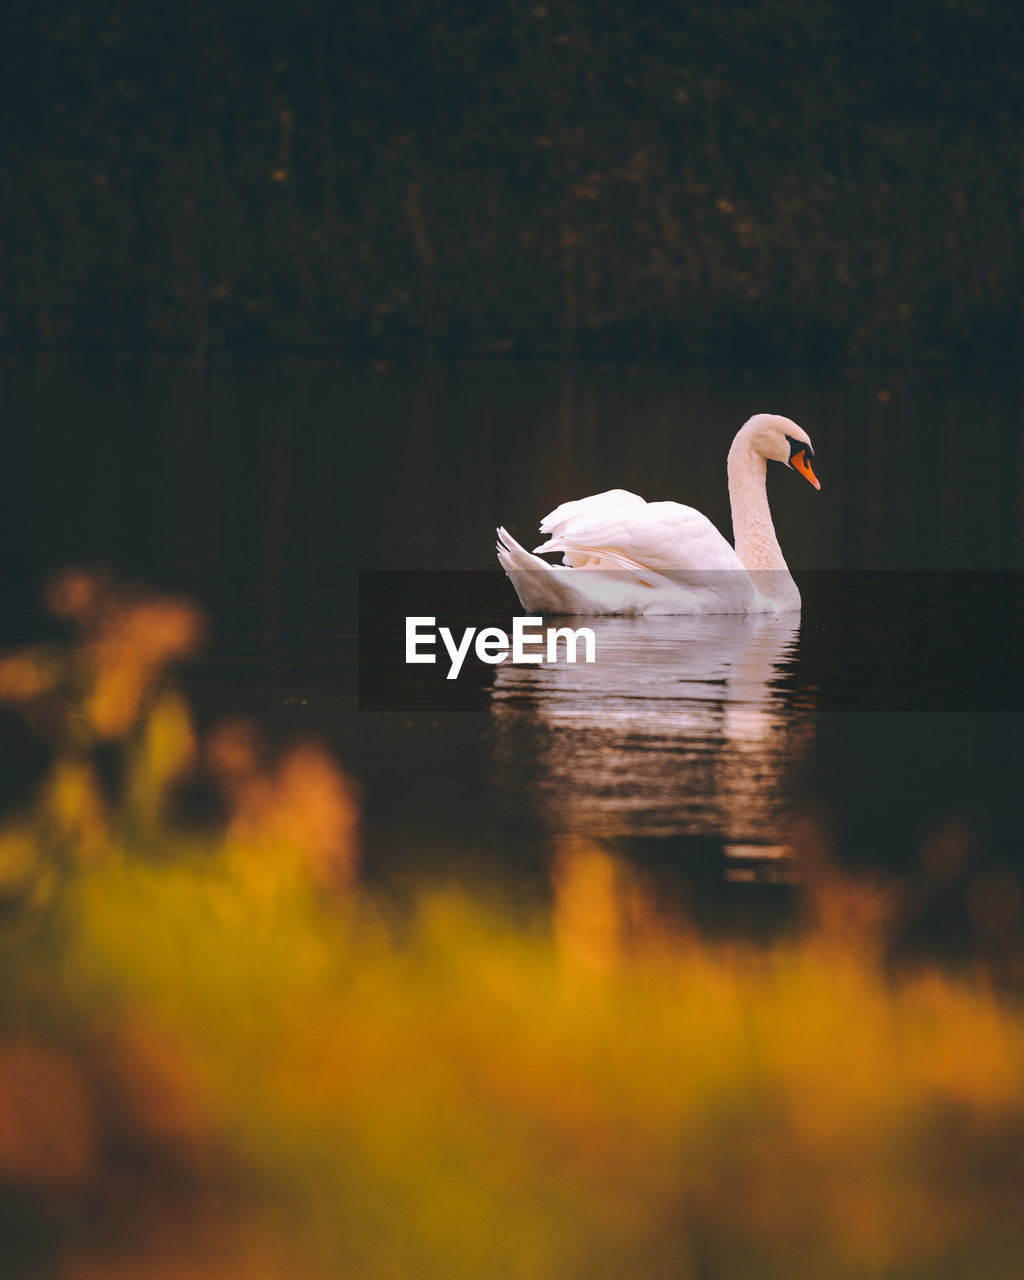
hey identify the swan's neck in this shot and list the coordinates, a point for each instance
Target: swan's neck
(756, 543)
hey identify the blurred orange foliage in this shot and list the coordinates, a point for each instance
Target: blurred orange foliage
(47, 1136)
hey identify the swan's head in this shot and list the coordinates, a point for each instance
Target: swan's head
(781, 440)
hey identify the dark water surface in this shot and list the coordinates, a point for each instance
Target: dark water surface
(889, 714)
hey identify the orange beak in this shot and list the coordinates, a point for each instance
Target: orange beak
(800, 463)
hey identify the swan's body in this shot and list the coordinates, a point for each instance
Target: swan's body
(622, 555)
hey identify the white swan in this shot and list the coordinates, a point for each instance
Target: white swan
(622, 555)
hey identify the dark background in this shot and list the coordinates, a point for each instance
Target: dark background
(766, 190)
(758, 181)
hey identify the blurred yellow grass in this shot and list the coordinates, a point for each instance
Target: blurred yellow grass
(460, 1096)
(221, 1055)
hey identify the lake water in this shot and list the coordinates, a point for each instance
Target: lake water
(885, 718)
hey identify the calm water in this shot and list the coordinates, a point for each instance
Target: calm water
(888, 714)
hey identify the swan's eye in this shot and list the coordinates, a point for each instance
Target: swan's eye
(798, 446)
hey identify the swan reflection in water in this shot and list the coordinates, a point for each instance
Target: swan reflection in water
(679, 728)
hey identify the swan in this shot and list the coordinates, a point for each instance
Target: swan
(622, 555)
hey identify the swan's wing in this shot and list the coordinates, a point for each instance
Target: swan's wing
(626, 532)
(597, 507)
(675, 539)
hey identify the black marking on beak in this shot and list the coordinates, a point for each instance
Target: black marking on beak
(795, 446)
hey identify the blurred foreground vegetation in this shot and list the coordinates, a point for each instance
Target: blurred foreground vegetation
(773, 179)
(221, 1055)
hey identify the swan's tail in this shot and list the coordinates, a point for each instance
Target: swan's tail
(541, 587)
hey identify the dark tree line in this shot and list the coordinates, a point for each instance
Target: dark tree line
(793, 179)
